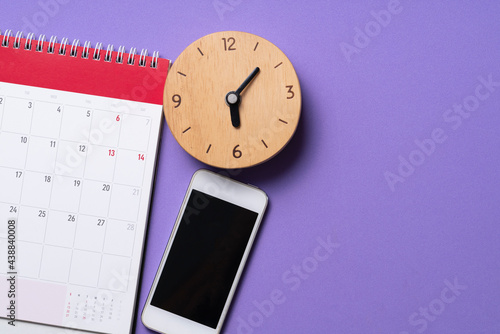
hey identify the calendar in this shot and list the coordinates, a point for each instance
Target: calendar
(79, 135)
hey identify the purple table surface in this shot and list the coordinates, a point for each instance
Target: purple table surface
(384, 207)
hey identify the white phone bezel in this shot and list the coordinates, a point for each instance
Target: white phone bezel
(232, 191)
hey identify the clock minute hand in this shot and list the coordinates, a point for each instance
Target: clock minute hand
(247, 81)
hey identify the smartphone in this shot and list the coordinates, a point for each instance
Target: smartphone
(205, 255)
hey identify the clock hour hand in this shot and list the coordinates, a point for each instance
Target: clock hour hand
(234, 108)
(233, 99)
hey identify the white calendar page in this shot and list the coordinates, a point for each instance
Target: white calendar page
(76, 175)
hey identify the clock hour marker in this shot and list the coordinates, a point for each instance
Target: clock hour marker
(208, 149)
(186, 130)
(181, 73)
(200, 51)
(278, 65)
(283, 121)
(255, 48)
(263, 142)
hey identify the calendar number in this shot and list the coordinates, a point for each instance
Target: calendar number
(100, 222)
(59, 109)
(48, 178)
(88, 113)
(13, 209)
(106, 187)
(42, 213)
(24, 139)
(81, 148)
(52, 143)
(30, 105)
(77, 183)
(141, 156)
(111, 153)
(1, 100)
(18, 174)
(135, 192)
(130, 227)
(71, 218)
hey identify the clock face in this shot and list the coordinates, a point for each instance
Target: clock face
(232, 99)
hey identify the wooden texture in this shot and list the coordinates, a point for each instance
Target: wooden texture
(195, 107)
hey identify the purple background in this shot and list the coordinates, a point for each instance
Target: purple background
(398, 250)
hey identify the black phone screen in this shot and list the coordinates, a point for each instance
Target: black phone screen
(204, 258)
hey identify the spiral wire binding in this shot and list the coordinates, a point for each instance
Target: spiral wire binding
(74, 48)
(119, 56)
(86, 50)
(5, 41)
(142, 58)
(62, 46)
(52, 44)
(131, 55)
(39, 45)
(154, 61)
(29, 39)
(17, 40)
(97, 51)
(109, 51)
(73, 51)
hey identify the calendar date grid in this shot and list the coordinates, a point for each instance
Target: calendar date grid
(117, 180)
(77, 147)
(112, 250)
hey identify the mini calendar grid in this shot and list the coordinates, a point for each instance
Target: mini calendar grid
(76, 174)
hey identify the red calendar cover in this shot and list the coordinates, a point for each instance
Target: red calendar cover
(79, 135)
(83, 69)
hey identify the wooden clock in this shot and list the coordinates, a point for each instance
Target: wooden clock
(232, 99)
